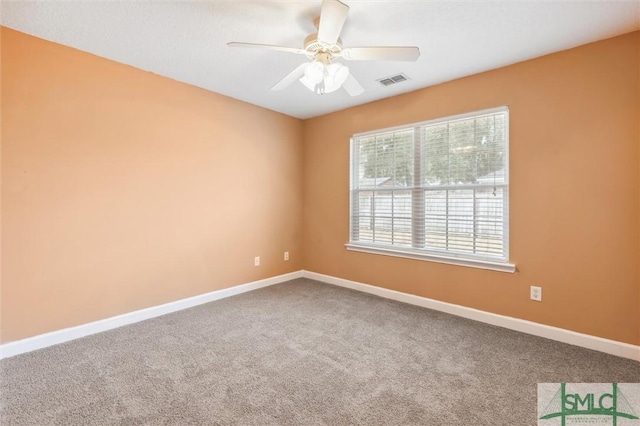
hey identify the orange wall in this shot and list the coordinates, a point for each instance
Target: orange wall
(1, 190)
(123, 189)
(574, 166)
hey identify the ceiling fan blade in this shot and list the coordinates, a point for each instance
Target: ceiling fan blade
(352, 86)
(332, 18)
(268, 46)
(291, 77)
(391, 53)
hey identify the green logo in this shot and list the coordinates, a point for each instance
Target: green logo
(586, 403)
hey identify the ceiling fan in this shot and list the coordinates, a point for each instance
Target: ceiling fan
(323, 74)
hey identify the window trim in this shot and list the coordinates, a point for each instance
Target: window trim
(419, 254)
(409, 253)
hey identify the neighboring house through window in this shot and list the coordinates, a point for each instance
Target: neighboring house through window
(436, 190)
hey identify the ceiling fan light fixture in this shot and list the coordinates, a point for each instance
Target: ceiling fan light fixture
(338, 72)
(308, 83)
(314, 72)
(321, 78)
(335, 76)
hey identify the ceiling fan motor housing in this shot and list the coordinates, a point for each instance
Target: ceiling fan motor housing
(314, 47)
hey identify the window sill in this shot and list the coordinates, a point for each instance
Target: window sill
(410, 254)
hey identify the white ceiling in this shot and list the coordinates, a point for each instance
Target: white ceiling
(186, 41)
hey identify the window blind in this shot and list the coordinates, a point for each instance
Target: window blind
(439, 186)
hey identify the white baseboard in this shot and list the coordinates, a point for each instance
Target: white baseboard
(612, 347)
(60, 336)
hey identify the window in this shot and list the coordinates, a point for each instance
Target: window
(436, 190)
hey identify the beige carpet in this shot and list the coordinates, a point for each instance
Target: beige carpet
(298, 353)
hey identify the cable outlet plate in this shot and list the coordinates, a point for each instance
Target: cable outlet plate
(536, 293)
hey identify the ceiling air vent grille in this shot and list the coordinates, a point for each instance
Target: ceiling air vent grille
(388, 81)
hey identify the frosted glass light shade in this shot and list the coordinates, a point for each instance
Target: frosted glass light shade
(320, 78)
(308, 83)
(335, 75)
(314, 72)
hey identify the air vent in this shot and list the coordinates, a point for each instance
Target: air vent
(388, 81)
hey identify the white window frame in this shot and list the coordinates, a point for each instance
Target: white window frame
(482, 262)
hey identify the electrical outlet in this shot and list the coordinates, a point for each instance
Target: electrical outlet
(256, 261)
(286, 255)
(536, 293)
